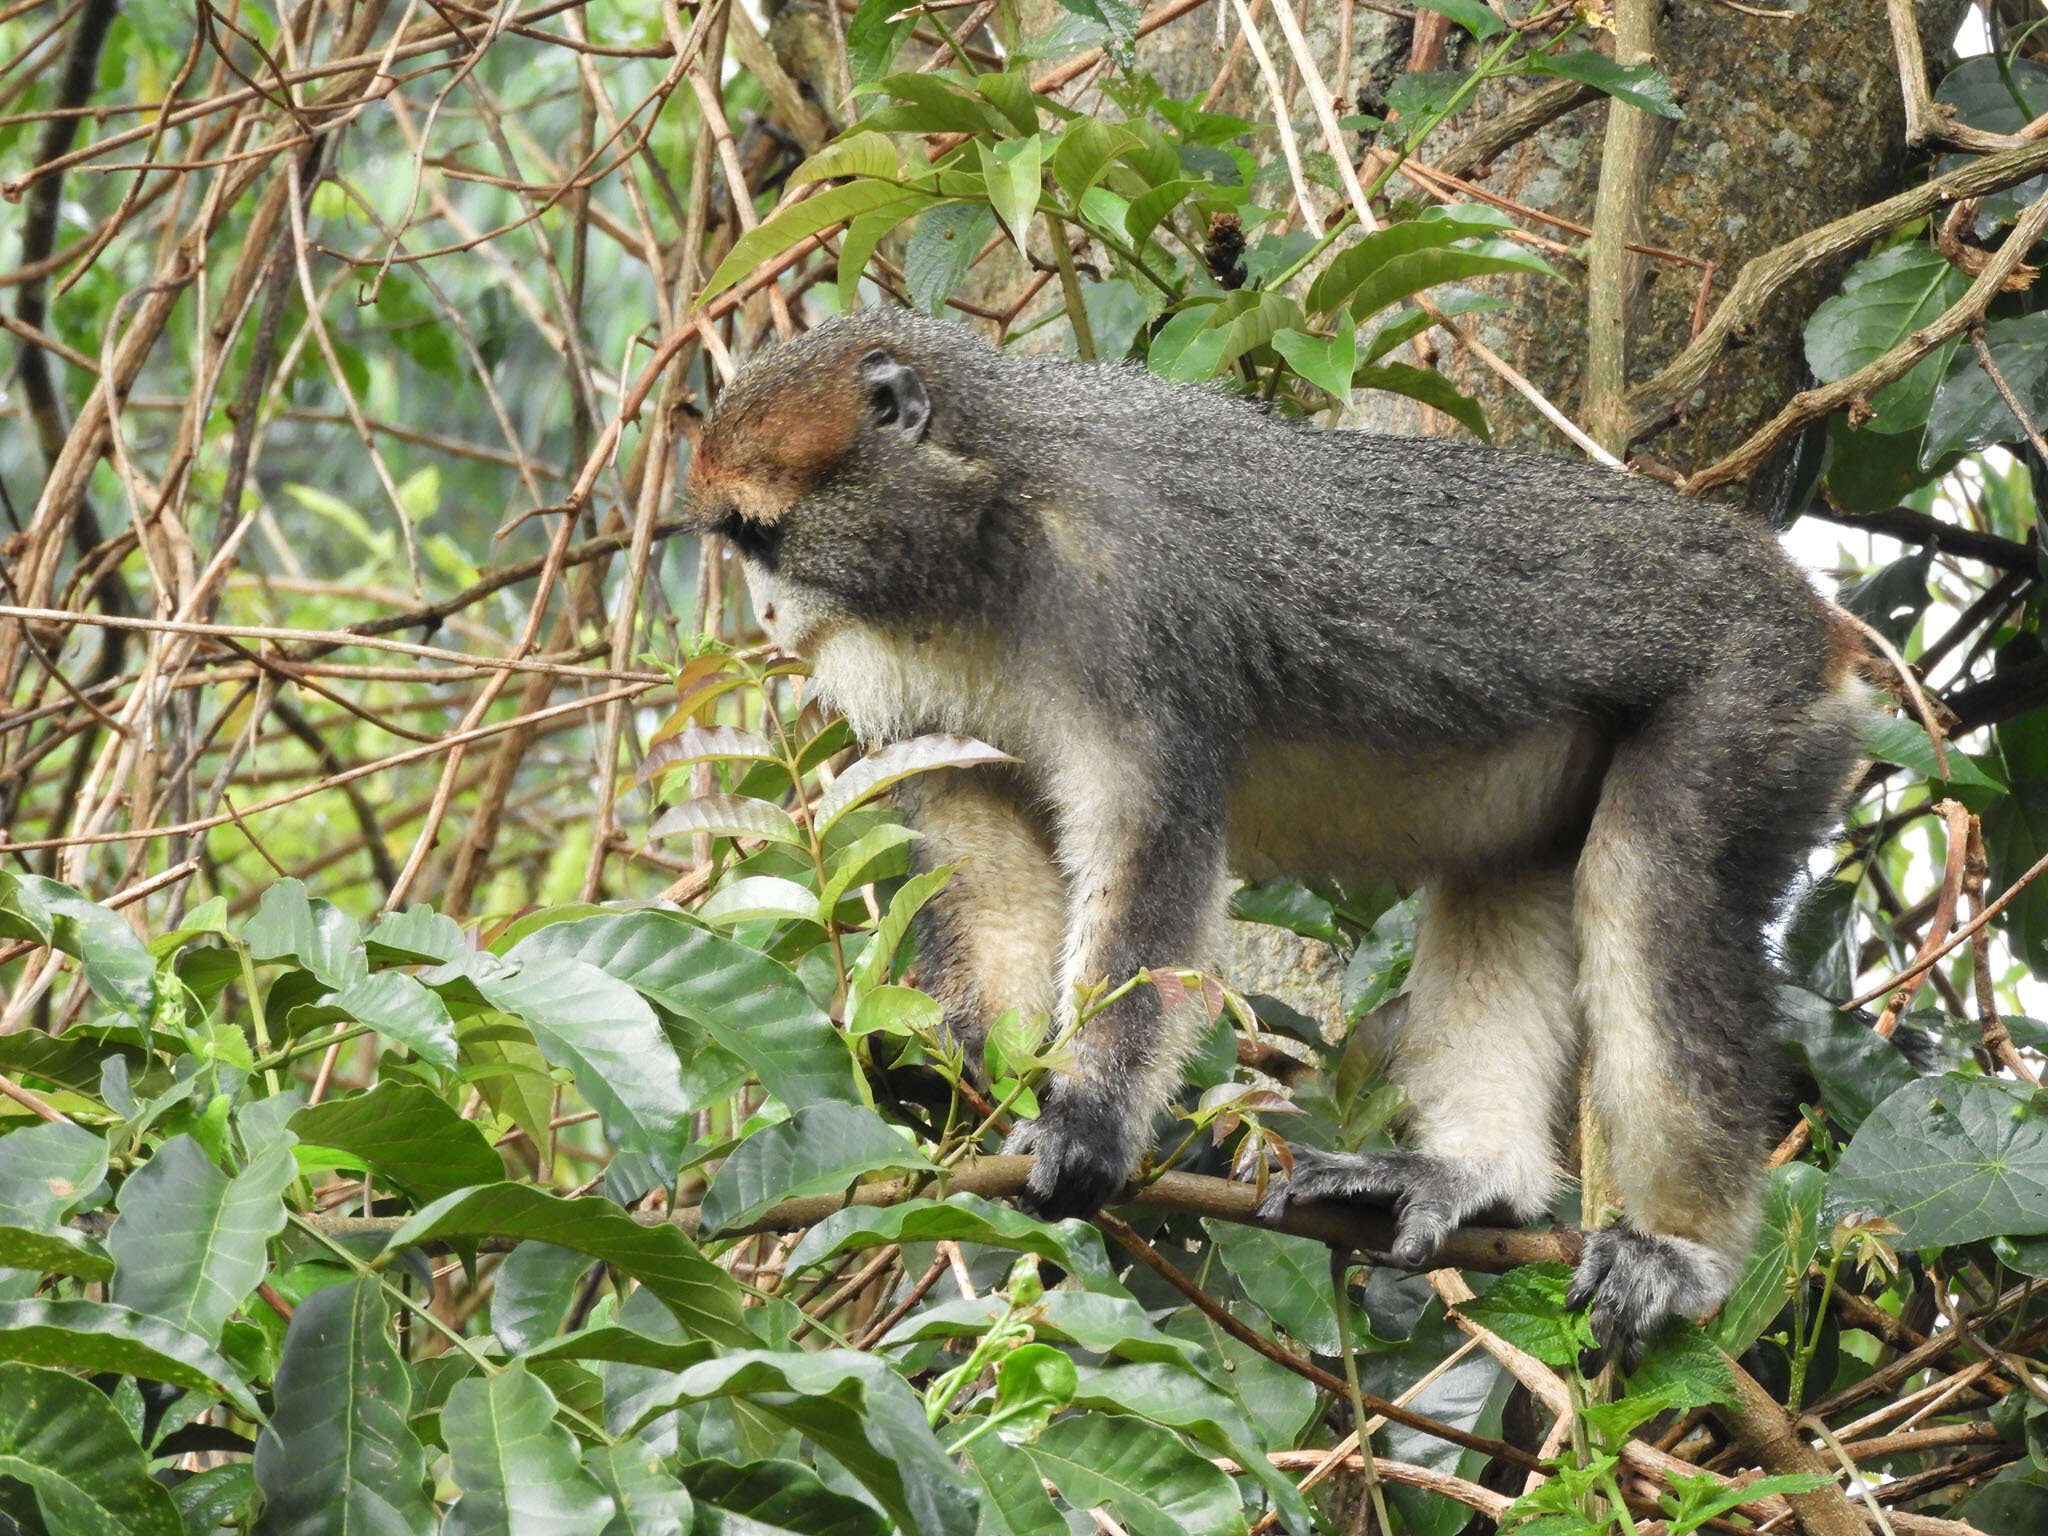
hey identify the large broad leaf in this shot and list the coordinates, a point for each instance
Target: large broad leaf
(1855, 1067)
(1884, 299)
(338, 1457)
(728, 816)
(1951, 1160)
(819, 1149)
(702, 1296)
(774, 236)
(1225, 332)
(748, 1003)
(605, 1033)
(408, 1133)
(1968, 411)
(1786, 1241)
(1287, 1276)
(1012, 1491)
(318, 935)
(2000, 93)
(46, 1172)
(858, 154)
(516, 1467)
(53, 1253)
(768, 1498)
(645, 1495)
(868, 777)
(856, 1408)
(1141, 1474)
(62, 1437)
(96, 1336)
(1114, 1326)
(1073, 1244)
(1164, 1396)
(191, 1242)
(117, 965)
(532, 1292)
(398, 1007)
(1640, 85)
(1431, 388)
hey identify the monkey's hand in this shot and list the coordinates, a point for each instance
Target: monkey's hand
(1430, 1195)
(1082, 1152)
(1638, 1283)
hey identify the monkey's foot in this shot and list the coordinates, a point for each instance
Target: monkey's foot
(1638, 1283)
(1081, 1156)
(1430, 1195)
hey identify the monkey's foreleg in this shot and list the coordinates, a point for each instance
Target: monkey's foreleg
(1144, 891)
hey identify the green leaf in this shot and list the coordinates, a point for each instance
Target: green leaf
(728, 816)
(1968, 412)
(318, 935)
(604, 1032)
(1339, 282)
(47, 1170)
(1105, 1325)
(191, 1242)
(1325, 361)
(1526, 1307)
(517, 1468)
(1787, 1239)
(797, 222)
(532, 1292)
(863, 235)
(876, 772)
(398, 1007)
(97, 1336)
(1287, 904)
(62, 1437)
(1684, 1369)
(1431, 388)
(751, 1005)
(858, 154)
(1640, 85)
(1472, 15)
(417, 936)
(897, 1011)
(1244, 320)
(1033, 1382)
(661, 1257)
(1117, 17)
(1289, 1277)
(1402, 276)
(406, 1132)
(941, 250)
(649, 1500)
(1902, 740)
(117, 965)
(862, 862)
(872, 969)
(1165, 1396)
(1884, 299)
(818, 1150)
(54, 1253)
(1014, 1500)
(338, 1457)
(1087, 148)
(1951, 1160)
(769, 1498)
(216, 1497)
(752, 898)
(1073, 1244)
(857, 1409)
(1012, 169)
(1143, 1475)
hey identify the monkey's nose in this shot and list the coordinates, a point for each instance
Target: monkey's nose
(768, 614)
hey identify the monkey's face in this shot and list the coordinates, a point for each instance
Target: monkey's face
(849, 499)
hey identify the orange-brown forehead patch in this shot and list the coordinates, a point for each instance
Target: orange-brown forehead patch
(773, 438)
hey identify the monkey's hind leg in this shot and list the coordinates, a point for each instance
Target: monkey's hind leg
(1486, 1058)
(1705, 817)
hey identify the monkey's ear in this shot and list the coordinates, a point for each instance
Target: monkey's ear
(895, 395)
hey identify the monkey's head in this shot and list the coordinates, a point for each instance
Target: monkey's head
(849, 471)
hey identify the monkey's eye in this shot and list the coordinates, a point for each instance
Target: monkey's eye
(756, 541)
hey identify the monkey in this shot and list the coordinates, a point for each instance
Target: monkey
(1599, 726)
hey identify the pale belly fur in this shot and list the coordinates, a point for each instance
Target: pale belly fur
(1348, 812)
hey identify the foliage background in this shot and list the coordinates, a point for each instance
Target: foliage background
(453, 983)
